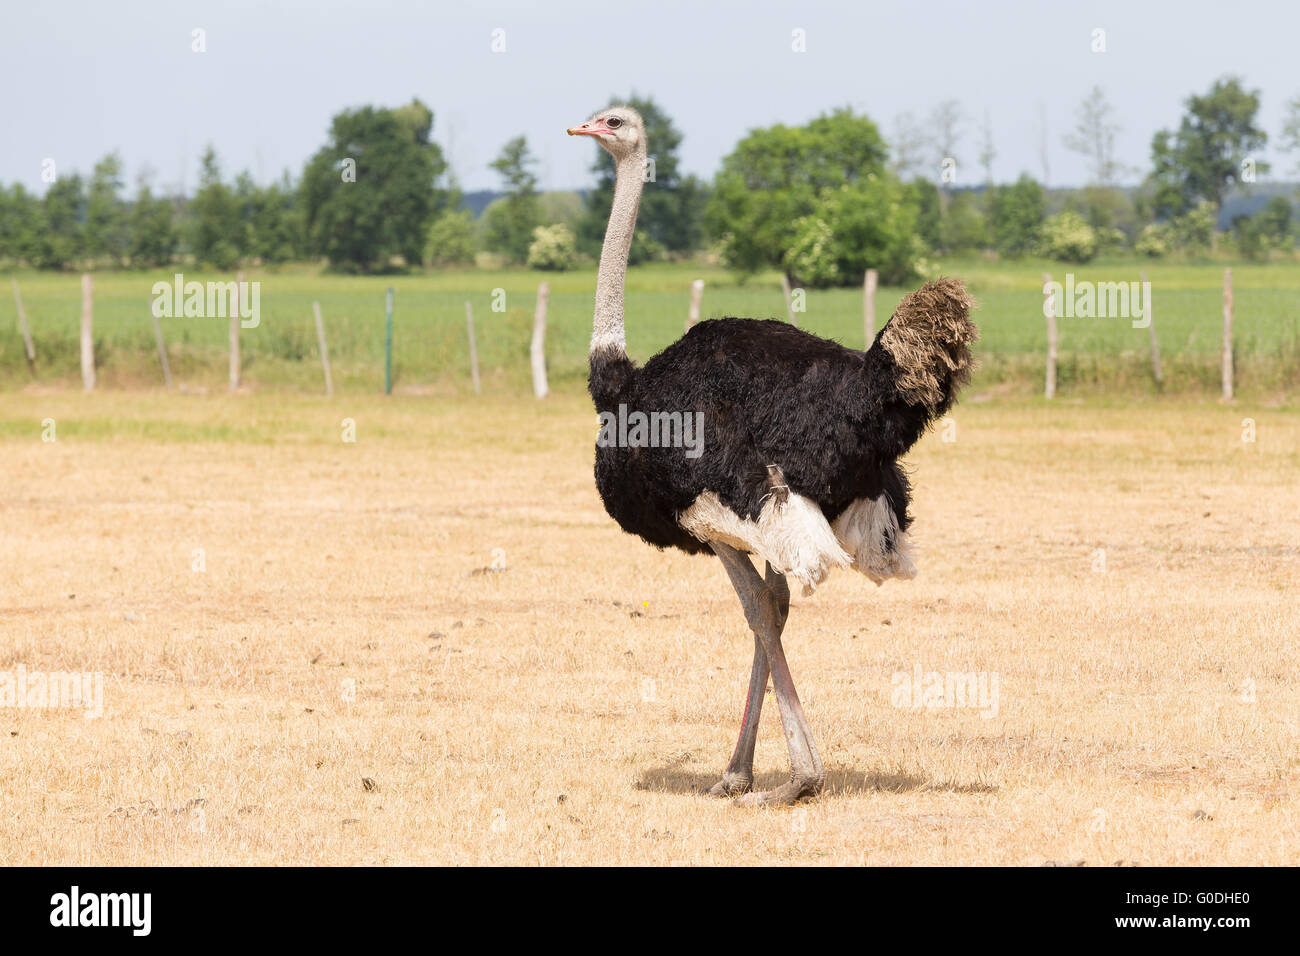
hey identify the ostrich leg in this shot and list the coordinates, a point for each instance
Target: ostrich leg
(738, 778)
(767, 605)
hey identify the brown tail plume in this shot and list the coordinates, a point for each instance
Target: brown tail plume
(929, 338)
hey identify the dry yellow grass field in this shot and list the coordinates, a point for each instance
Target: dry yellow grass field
(443, 609)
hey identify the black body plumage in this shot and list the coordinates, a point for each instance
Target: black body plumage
(833, 419)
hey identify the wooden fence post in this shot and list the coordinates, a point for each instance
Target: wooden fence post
(789, 304)
(22, 327)
(1227, 335)
(537, 351)
(1156, 371)
(88, 332)
(162, 348)
(1049, 310)
(869, 304)
(234, 335)
(697, 295)
(473, 349)
(324, 351)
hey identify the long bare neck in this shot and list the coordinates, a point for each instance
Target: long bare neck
(607, 333)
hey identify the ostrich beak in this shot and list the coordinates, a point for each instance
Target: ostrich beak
(590, 128)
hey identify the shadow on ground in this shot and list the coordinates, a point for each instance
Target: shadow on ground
(839, 782)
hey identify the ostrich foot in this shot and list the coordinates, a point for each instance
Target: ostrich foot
(782, 796)
(731, 785)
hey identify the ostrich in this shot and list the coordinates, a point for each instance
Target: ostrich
(799, 460)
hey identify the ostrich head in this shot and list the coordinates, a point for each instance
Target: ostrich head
(618, 129)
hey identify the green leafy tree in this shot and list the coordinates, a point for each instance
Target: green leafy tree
(670, 218)
(509, 222)
(856, 227)
(1290, 142)
(106, 223)
(152, 228)
(930, 223)
(248, 201)
(22, 218)
(371, 192)
(1268, 230)
(272, 226)
(61, 235)
(1104, 208)
(216, 229)
(1204, 157)
(8, 227)
(813, 254)
(965, 228)
(778, 176)
(1275, 220)
(1018, 216)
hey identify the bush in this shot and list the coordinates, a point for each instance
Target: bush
(646, 249)
(451, 240)
(553, 249)
(1194, 230)
(812, 256)
(1067, 237)
(1110, 239)
(1152, 242)
(1258, 236)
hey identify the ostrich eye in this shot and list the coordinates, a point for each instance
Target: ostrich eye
(613, 122)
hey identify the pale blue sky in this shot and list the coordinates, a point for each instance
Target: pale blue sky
(82, 78)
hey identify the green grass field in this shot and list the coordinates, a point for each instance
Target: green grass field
(1097, 355)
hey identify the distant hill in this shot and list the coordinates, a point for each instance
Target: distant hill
(1239, 202)
(480, 199)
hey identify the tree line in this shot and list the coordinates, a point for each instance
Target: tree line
(822, 201)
